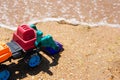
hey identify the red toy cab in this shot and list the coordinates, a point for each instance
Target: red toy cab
(25, 37)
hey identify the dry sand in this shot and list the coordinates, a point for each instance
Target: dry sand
(89, 54)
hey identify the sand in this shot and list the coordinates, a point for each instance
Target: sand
(90, 53)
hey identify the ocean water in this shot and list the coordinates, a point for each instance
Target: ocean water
(85, 12)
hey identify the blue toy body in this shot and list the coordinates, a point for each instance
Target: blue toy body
(51, 51)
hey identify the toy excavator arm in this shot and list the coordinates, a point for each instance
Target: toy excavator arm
(44, 41)
(47, 41)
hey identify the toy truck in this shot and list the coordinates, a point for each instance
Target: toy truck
(26, 44)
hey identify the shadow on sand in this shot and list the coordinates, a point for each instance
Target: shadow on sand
(20, 70)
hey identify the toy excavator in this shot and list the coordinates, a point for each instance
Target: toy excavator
(26, 43)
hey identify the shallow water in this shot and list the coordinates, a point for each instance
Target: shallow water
(89, 12)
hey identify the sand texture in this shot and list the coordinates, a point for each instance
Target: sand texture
(89, 54)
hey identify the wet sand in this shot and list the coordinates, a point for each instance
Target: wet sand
(13, 13)
(90, 53)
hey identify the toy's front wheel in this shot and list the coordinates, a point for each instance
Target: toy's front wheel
(4, 72)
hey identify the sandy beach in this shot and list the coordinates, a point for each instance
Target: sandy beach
(90, 53)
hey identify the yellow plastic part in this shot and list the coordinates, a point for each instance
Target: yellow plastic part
(5, 52)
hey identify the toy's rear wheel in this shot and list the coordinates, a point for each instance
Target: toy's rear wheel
(33, 60)
(4, 72)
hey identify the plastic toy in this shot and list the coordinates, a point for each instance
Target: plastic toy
(26, 43)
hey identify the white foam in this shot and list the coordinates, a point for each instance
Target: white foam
(76, 22)
(8, 27)
(71, 21)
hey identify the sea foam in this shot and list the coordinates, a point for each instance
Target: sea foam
(72, 21)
